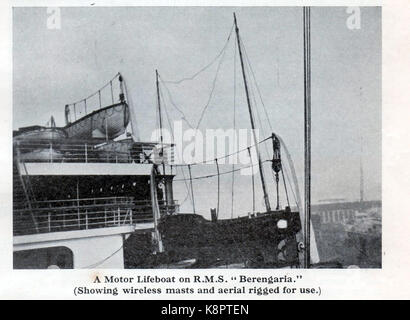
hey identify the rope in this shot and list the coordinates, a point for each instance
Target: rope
(296, 196)
(131, 114)
(257, 87)
(173, 138)
(219, 188)
(222, 173)
(174, 105)
(92, 266)
(220, 55)
(192, 190)
(295, 192)
(225, 156)
(209, 97)
(291, 189)
(286, 190)
(253, 96)
(96, 92)
(84, 100)
(253, 183)
(207, 66)
(212, 91)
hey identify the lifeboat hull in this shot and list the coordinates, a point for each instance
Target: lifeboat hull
(108, 122)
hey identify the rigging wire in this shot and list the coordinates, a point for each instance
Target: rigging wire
(252, 95)
(227, 155)
(286, 190)
(96, 92)
(253, 184)
(183, 117)
(221, 55)
(221, 173)
(254, 84)
(192, 189)
(96, 264)
(129, 100)
(212, 91)
(219, 188)
(257, 87)
(173, 138)
(255, 90)
(292, 172)
(297, 195)
(207, 66)
(291, 189)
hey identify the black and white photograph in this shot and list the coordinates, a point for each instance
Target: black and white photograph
(197, 137)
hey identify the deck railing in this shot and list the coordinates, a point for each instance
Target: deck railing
(83, 214)
(90, 152)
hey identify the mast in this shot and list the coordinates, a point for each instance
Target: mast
(161, 138)
(265, 195)
(307, 102)
(159, 109)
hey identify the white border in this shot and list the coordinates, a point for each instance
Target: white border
(391, 282)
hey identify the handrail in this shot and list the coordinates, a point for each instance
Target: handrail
(87, 199)
(100, 198)
(118, 152)
(86, 216)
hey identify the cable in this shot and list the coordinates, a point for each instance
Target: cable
(253, 95)
(92, 266)
(173, 138)
(174, 105)
(253, 184)
(219, 188)
(222, 173)
(207, 66)
(221, 55)
(96, 92)
(192, 189)
(211, 93)
(291, 189)
(286, 190)
(225, 156)
(257, 87)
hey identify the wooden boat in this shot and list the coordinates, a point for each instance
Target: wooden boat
(257, 240)
(265, 240)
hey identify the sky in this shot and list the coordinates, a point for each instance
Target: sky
(53, 67)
